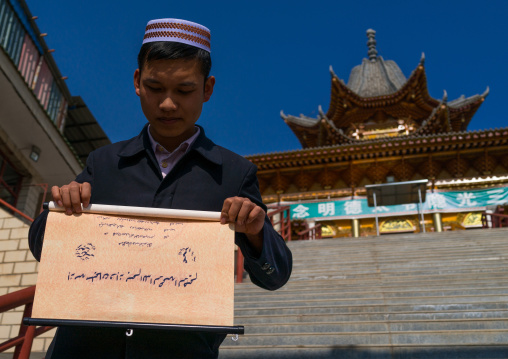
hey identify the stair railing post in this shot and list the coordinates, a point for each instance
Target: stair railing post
(22, 351)
(421, 209)
(488, 218)
(239, 266)
(282, 225)
(375, 209)
(288, 218)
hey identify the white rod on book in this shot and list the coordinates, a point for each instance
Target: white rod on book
(143, 211)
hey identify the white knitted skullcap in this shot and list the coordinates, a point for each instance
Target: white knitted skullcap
(177, 30)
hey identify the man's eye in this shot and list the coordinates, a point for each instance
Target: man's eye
(185, 91)
(155, 89)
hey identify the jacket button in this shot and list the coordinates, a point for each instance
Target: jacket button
(270, 270)
(265, 266)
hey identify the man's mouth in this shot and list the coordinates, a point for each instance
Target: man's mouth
(168, 120)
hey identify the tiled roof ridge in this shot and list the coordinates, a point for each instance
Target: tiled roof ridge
(362, 143)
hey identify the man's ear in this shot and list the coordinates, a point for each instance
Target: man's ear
(137, 79)
(209, 84)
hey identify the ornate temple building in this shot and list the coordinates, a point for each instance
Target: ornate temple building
(383, 127)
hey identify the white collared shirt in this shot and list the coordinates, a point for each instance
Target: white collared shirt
(167, 160)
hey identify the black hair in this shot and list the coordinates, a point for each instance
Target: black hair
(169, 50)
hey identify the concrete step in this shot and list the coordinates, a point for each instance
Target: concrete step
(369, 317)
(379, 326)
(374, 300)
(248, 289)
(365, 352)
(330, 294)
(449, 337)
(362, 309)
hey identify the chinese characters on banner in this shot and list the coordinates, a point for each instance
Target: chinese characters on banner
(437, 201)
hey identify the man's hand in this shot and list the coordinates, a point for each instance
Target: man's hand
(247, 217)
(72, 195)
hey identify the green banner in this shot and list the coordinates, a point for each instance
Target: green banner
(457, 201)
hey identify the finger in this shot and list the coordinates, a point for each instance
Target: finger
(255, 221)
(66, 199)
(225, 210)
(55, 193)
(246, 207)
(256, 214)
(86, 193)
(75, 195)
(236, 204)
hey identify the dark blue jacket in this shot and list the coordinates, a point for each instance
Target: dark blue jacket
(126, 173)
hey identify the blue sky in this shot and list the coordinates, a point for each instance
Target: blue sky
(270, 56)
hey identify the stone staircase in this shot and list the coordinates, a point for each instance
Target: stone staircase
(434, 295)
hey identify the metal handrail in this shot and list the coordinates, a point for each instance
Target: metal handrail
(310, 233)
(14, 209)
(23, 342)
(239, 266)
(16, 299)
(284, 222)
(494, 220)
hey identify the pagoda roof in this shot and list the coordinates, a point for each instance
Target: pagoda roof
(376, 78)
(378, 96)
(381, 147)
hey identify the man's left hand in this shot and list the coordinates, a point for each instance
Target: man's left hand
(247, 217)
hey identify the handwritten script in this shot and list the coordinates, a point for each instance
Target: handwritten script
(155, 280)
(136, 233)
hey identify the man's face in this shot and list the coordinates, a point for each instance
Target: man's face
(172, 93)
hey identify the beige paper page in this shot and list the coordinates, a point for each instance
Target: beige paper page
(136, 269)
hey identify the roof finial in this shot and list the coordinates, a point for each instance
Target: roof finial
(371, 43)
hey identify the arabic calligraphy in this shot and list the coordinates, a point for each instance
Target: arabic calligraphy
(157, 281)
(136, 233)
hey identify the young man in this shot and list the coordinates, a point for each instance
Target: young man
(170, 164)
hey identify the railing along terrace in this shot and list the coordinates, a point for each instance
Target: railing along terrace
(494, 219)
(23, 342)
(310, 233)
(281, 221)
(15, 210)
(32, 59)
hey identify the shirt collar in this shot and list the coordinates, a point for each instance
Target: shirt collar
(203, 145)
(184, 146)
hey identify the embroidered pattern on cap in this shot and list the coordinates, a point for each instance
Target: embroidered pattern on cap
(177, 30)
(177, 34)
(172, 25)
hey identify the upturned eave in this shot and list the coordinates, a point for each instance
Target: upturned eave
(380, 148)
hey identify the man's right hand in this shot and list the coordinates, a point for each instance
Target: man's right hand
(72, 195)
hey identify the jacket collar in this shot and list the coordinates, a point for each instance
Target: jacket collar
(203, 145)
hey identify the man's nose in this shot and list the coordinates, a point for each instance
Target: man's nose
(168, 104)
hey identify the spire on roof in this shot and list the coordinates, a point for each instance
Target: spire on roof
(371, 43)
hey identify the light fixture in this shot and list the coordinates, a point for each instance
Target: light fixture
(35, 154)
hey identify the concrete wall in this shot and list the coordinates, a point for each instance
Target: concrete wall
(18, 270)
